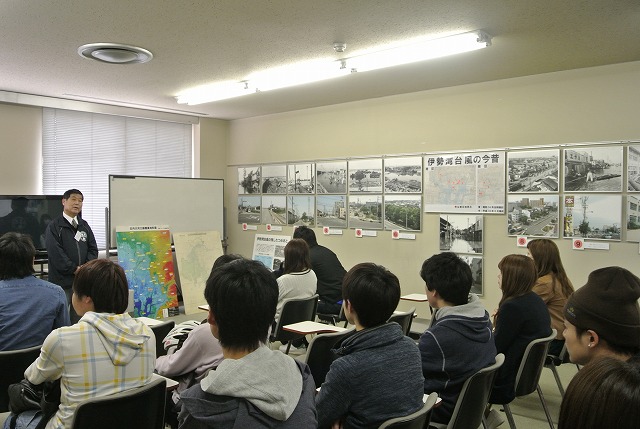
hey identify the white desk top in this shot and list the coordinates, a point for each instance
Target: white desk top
(312, 328)
(149, 321)
(171, 383)
(204, 307)
(418, 297)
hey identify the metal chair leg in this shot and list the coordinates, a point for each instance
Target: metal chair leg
(558, 381)
(544, 405)
(507, 411)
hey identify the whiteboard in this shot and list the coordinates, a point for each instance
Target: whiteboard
(184, 204)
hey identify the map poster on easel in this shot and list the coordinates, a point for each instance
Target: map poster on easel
(465, 182)
(195, 254)
(269, 249)
(144, 252)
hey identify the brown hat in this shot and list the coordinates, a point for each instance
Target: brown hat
(608, 305)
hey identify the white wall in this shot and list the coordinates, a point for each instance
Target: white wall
(595, 104)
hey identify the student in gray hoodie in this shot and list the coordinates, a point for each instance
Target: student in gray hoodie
(460, 340)
(254, 386)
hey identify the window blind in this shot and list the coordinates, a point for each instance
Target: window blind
(80, 150)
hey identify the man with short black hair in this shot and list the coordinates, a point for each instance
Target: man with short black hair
(30, 308)
(460, 340)
(377, 375)
(70, 243)
(254, 385)
(328, 269)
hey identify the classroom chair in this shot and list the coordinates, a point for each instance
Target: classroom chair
(160, 331)
(403, 319)
(140, 408)
(528, 376)
(319, 356)
(333, 319)
(418, 420)
(470, 406)
(13, 364)
(294, 310)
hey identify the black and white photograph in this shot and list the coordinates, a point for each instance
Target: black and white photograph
(403, 212)
(475, 262)
(593, 169)
(331, 177)
(274, 179)
(593, 216)
(533, 215)
(365, 175)
(633, 218)
(403, 175)
(633, 169)
(249, 209)
(301, 178)
(460, 233)
(331, 211)
(365, 211)
(274, 209)
(249, 180)
(301, 210)
(533, 170)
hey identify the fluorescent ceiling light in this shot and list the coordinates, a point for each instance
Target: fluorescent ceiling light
(314, 71)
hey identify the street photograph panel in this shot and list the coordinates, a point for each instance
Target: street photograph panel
(475, 262)
(331, 177)
(274, 179)
(461, 233)
(403, 212)
(533, 170)
(301, 178)
(274, 209)
(403, 175)
(633, 218)
(331, 211)
(249, 180)
(593, 216)
(365, 211)
(533, 215)
(593, 169)
(301, 210)
(249, 209)
(633, 169)
(365, 175)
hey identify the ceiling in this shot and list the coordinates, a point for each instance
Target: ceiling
(204, 41)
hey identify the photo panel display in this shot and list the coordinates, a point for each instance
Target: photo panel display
(403, 175)
(301, 210)
(331, 177)
(249, 180)
(633, 168)
(533, 171)
(403, 212)
(633, 218)
(365, 175)
(593, 169)
(301, 178)
(460, 233)
(533, 215)
(249, 209)
(274, 179)
(365, 211)
(593, 216)
(475, 262)
(274, 209)
(331, 211)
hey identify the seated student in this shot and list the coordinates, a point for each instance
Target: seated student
(121, 349)
(377, 375)
(200, 352)
(30, 308)
(253, 386)
(460, 341)
(602, 318)
(603, 394)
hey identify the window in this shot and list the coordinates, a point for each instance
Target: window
(80, 150)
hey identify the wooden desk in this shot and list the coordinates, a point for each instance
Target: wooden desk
(417, 297)
(309, 327)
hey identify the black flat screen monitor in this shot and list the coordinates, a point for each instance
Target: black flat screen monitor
(29, 214)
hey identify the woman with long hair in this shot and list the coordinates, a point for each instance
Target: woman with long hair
(553, 285)
(521, 317)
